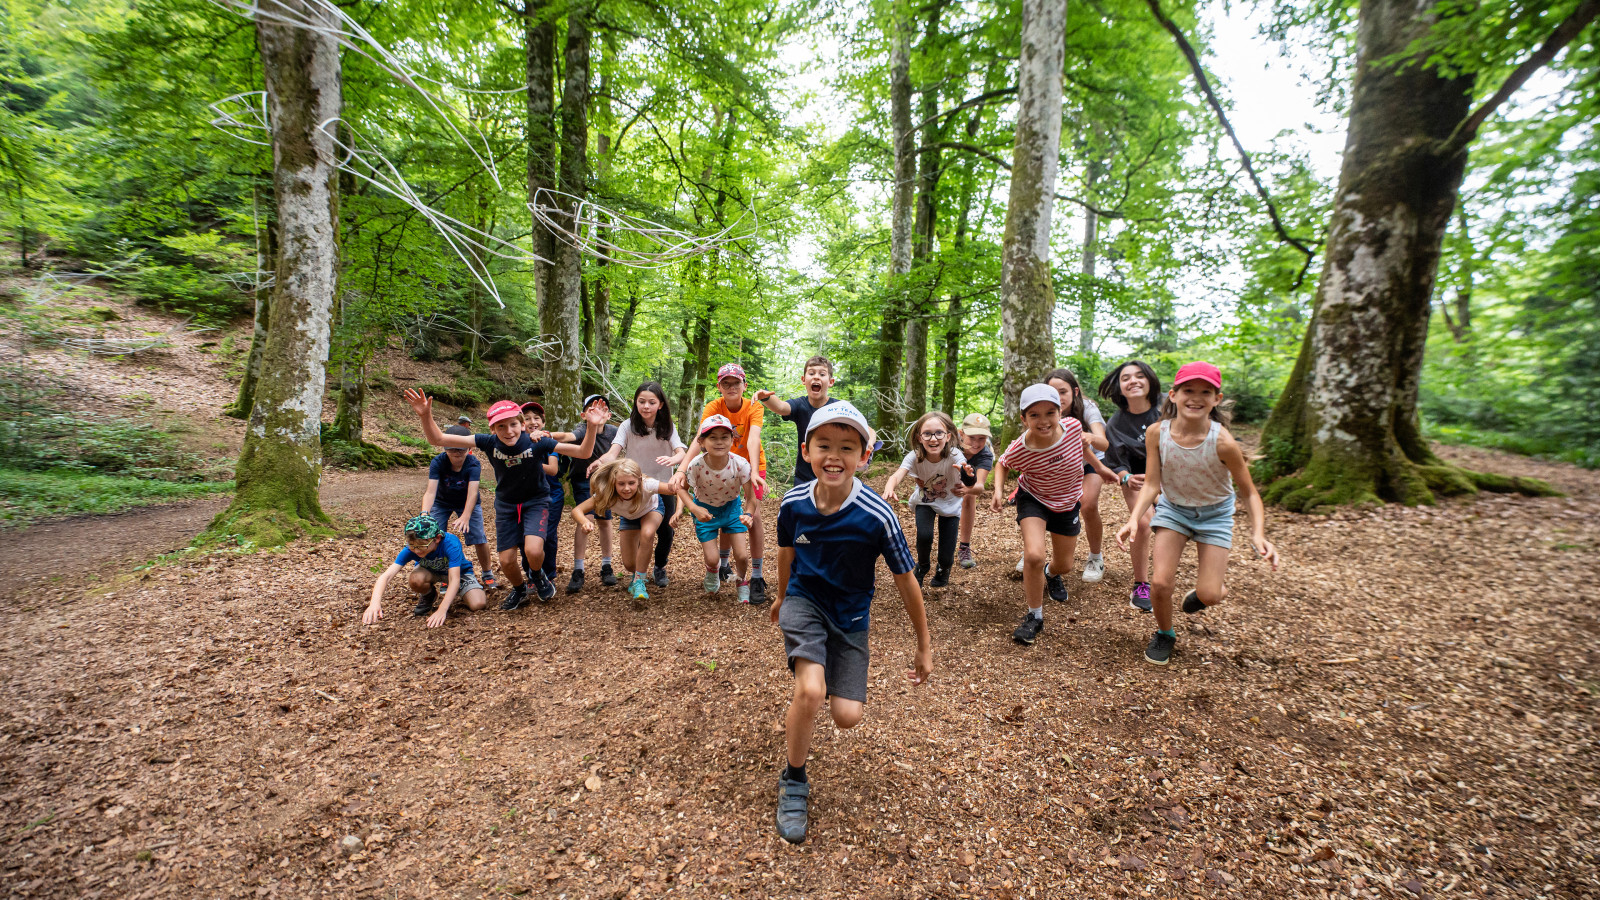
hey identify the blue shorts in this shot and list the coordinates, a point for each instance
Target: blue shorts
(724, 520)
(633, 524)
(1203, 524)
(514, 521)
(475, 532)
(580, 493)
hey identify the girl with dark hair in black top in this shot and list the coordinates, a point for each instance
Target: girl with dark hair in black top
(1133, 387)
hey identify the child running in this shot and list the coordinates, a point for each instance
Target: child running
(578, 473)
(831, 532)
(521, 498)
(976, 435)
(817, 377)
(942, 477)
(1048, 461)
(1190, 457)
(717, 477)
(1133, 387)
(439, 559)
(649, 439)
(1094, 436)
(620, 486)
(747, 418)
(452, 491)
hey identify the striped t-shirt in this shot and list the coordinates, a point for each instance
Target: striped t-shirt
(1054, 475)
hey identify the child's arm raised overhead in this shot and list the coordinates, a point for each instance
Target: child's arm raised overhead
(596, 417)
(580, 514)
(1151, 489)
(770, 401)
(443, 612)
(1232, 456)
(422, 405)
(375, 608)
(911, 596)
(429, 494)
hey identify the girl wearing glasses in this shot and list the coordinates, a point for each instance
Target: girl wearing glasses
(942, 476)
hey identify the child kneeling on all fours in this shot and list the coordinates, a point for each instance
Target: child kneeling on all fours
(942, 477)
(1189, 458)
(717, 477)
(619, 486)
(439, 559)
(1048, 460)
(831, 532)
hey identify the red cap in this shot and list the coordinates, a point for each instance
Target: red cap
(1199, 371)
(504, 409)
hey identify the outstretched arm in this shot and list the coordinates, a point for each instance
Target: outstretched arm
(893, 484)
(1151, 489)
(429, 494)
(422, 405)
(450, 590)
(771, 401)
(911, 595)
(596, 418)
(1232, 456)
(999, 500)
(375, 608)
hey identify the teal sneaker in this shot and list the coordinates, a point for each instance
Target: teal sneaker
(713, 582)
(637, 590)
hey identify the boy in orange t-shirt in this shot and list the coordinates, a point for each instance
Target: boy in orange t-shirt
(747, 417)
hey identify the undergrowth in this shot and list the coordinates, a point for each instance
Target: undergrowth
(1524, 445)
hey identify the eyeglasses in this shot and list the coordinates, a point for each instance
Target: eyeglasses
(935, 435)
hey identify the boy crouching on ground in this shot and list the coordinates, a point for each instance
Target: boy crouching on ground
(439, 559)
(831, 532)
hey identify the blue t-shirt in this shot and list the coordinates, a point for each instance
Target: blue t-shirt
(836, 556)
(518, 469)
(453, 485)
(800, 410)
(448, 555)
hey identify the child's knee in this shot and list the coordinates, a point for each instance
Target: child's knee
(477, 599)
(1211, 596)
(1162, 584)
(419, 581)
(1034, 557)
(809, 694)
(846, 713)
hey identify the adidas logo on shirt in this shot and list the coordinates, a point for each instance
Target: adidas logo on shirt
(802, 539)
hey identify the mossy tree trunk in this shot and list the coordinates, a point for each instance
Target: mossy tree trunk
(562, 317)
(892, 331)
(929, 168)
(280, 464)
(266, 261)
(1091, 229)
(539, 33)
(1346, 429)
(1027, 296)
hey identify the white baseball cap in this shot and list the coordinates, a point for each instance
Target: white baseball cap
(1038, 393)
(843, 412)
(712, 422)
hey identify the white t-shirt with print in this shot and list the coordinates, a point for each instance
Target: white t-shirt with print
(644, 449)
(643, 502)
(936, 478)
(718, 487)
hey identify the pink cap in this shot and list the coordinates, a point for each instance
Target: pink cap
(733, 369)
(504, 409)
(715, 422)
(1199, 371)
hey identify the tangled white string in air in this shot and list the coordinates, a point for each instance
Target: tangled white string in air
(584, 224)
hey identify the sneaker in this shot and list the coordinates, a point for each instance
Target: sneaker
(489, 582)
(661, 576)
(941, 578)
(713, 582)
(921, 572)
(1028, 631)
(426, 603)
(1192, 604)
(576, 584)
(964, 557)
(793, 804)
(543, 587)
(1160, 650)
(517, 599)
(725, 570)
(608, 577)
(1139, 597)
(1016, 574)
(638, 591)
(758, 591)
(744, 593)
(1056, 587)
(1094, 569)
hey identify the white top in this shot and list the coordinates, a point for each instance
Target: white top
(643, 502)
(1193, 476)
(1091, 417)
(717, 487)
(645, 448)
(936, 478)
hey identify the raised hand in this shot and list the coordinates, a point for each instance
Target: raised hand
(762, 395)
(421, 403)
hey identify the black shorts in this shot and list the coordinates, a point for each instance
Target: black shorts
(1066, 524)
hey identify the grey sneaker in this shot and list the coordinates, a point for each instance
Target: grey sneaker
(1192, 604)
(661, 576)
(964, 557)
(793, 806)
(1139, 597)
(1094, 569)
(1160, 650)
(713, 582)
(1028, 631)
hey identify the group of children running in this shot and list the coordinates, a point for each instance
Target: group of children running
(1180, 472)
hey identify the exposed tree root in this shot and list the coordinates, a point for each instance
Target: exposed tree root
(363, 455)
(1321, 487)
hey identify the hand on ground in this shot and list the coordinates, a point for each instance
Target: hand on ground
(373, 614)
(438, 617)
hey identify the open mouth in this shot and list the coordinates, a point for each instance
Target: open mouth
(832, 469)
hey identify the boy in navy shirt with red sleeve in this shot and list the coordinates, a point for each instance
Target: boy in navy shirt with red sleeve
(831, 532)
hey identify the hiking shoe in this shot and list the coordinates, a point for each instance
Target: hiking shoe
(1192, 604)
(637, 590)
(543, 587)
(713, 582)
(576, 584)
(1160, 650)
(516, 599)
(744, 593)
(661, 576)
(793, 805)
(1028, 631)
(1056, 587)
(941, 578)
(607, 576)
(725, 570)
(758, 591)
(1016, 574)
(489, 582)
(1094, 569)
(426, 603)
(1139, 597)
(964, 556)
(921, 572)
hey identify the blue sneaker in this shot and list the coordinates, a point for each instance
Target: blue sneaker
(793, 807)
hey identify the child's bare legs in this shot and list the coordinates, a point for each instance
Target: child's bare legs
(708, 551)
(483, 556)
(1168, 550)
(1093, 527)
(1062, 546)
(420, 581)
(1141, 537)
(580, 541)
(741, 557)
(810, 690)
(1213, 565)
(630, 549)
(533, 548)
(1033, 559)
(969, 509)
(642, 544)
(753, 508)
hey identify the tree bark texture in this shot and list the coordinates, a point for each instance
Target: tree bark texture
(923, 229)
(891, 334)
(1086, 302)
(266, 261)
(1027, 297)
(563, 383)
(539, 37)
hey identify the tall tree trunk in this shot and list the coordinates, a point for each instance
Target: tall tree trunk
(952, 318)
(1091, 227)
(605, 148)
(266, 261)
(923, 229)
(539, 32)
(280, 464)
(563, 383)
(1027, 297)
(624, 328)
(891, 334)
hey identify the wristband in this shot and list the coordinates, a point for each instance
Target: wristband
(1124, 479)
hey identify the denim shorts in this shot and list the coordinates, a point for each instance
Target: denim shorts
(633, 524)
(475, 533)
(515, 521)
(1203, 524)
(724, 520)
(580, 493)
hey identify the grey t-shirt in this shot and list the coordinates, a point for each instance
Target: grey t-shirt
(1091, 416)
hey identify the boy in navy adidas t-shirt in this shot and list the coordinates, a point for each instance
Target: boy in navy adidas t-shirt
(831, 532)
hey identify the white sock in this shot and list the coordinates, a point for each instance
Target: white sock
(1094, 556)
(605, 560)
(755, 569)
(1037, 612)
(577, 565)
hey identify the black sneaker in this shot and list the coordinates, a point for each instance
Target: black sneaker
(758, 591)
(1028, 631)
(941, 578)
(607, 577)
(1056, 587)
(1160, 650)
(725, 570)
(794, 801)
(921, 572)
(516, 599)
(576, 584)
(426, 603)
(545, 589)
(1192, 604)
(661, 576)
(1139, 597)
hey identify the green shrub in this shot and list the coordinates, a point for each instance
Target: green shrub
(468, 392)
(185, 290)
(26, 495)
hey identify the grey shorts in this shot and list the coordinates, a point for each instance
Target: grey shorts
(843, 655)
(469, 582)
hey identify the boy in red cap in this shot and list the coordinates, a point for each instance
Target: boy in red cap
(1190, 459)
(521, 498)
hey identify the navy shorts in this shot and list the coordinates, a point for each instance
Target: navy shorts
(1066, 524)
(580, 493)
(475, 533)
(514, 521)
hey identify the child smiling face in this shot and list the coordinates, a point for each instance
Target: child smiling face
(507, 430)
(1195, 399)
(626, 485)
(975, 443)
(934, 437)
(718, 441)
(1042, 419)
(835, 452)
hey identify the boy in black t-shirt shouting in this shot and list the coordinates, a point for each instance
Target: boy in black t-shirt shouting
(817, 376)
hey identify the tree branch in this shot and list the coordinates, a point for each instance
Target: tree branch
(979, 100)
